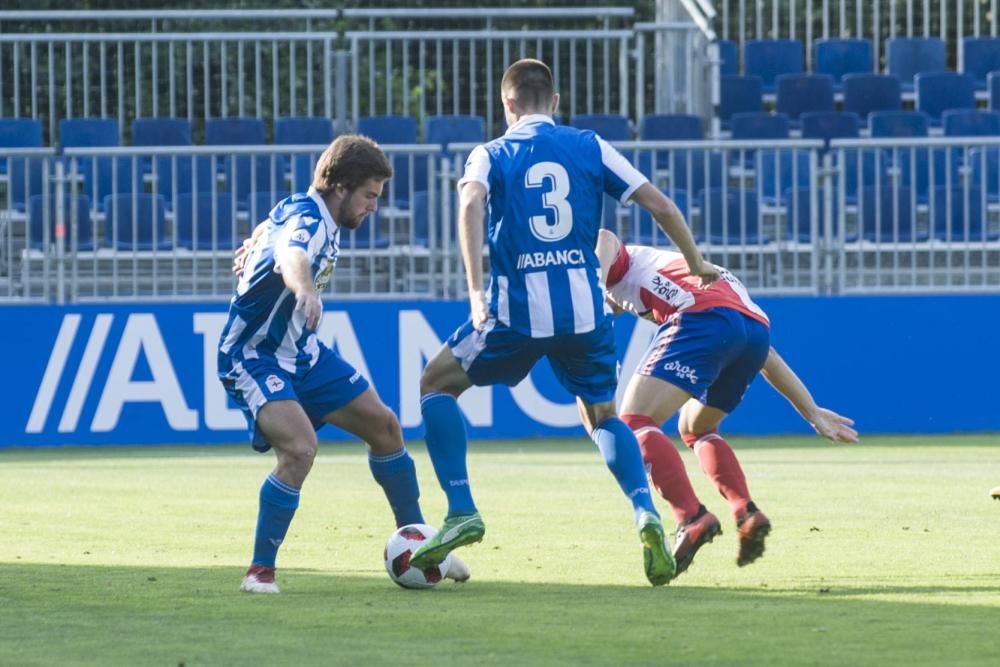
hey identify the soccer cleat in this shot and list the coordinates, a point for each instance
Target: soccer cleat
(692, 535)
(659, 564)
(458, 571)
(456, 531)
(995, 492)
(753, 527)
(259, 579)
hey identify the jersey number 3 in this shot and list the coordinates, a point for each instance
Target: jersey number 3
(554, 200)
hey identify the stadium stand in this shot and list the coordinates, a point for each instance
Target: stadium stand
(302, 131)
(970, 123)
(768, 58)
(941, 91)
(908, 56)
(729, 58)
(980, 56)
(799, 93)
(865, 93)
(134, 221)
(838, 57)
(739, 94)
(203, 221)
(19, 133)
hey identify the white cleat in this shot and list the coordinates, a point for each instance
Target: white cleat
(259, 579)
(458, 571)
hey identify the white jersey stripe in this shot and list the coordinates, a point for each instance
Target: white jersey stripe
(582, 299)
(250, 390)
(539, 304)
(503, 301)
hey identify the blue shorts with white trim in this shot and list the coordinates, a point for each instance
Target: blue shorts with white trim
(585, 364)
(329, 385)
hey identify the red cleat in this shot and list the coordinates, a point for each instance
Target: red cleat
(259, 579)
(692, 535)
(753, 527)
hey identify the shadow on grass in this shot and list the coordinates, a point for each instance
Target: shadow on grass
(57, 614)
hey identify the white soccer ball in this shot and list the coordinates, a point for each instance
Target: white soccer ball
(400, 548)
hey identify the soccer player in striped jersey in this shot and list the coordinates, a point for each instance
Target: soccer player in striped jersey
(711, 344)
(287, 382)
(543, 186)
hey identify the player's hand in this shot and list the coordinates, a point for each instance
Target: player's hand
(832, 426)
(480, 311)
(706, 271)
(240, 256)
(309, 304)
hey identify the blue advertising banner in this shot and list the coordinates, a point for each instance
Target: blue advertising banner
(145, 373)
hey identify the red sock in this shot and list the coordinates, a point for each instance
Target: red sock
(719, 462)
(663, 462)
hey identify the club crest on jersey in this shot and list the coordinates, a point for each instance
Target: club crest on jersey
(274, 383)
(300, 236)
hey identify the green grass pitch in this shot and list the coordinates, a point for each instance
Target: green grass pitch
(885, 553)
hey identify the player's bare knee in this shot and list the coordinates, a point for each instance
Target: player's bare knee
(388, 436)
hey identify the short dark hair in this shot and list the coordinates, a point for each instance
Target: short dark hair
(350, 161)
(529, 83)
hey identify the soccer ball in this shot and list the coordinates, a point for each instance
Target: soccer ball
(401, 546)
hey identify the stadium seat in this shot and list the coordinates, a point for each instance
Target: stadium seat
(865, 93)
(185, 173)
(993, 88)
(862, 168)
(89, 132)
(908, 56)
(760, 125)
(729, 216)
(246, 174)
(924, 169)
(446, 130)
(767, 58)
(78, 213)
(303, 131)
(985, 171)
(739, 94)
(388, 130)
(837, 57)
(799, 223)
(690, 171)
(898, 124)
(261, 203)
(798, 93)
(25, 179)
(827, 125)
(203, 221)
(422, 216)
(729, 58)
(886, 216)
(135, 222)
(980, 56)
(161, 132)
(102, 176)
(670, 127)
(19, 133)
(610, 126)
(940, 91)
(779, 170)
(971, 123)
(234, 131)
(957, 215)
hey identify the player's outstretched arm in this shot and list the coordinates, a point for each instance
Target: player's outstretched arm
(471, 210)
(671, 220)
(827, 423)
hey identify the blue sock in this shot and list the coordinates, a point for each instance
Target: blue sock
(621, 452)
(397, 476)
(446, 443)
(278, 502)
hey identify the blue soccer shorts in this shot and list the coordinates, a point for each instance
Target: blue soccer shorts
(712, 354)
(329, 385)
(585, 364)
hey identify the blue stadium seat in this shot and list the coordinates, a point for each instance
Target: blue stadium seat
(89, 132)
(102, 176)
(422, 216)
(908, 56)
(923, 169)
(671, 126)
(865, 93)
(863, 168)
(397, 130)
(246, 174)
(303, 131)
(234, 131)
(760, 125)
(827, 125)
(186, 173)
(886, 216)
(610, 126)
(980, 56)
(25, 179)
(135, 222)
(993, 88)
(767, 58)
(798, 93)
(691, 172)
(729, 58)
(729, 216)
(446, 130)
(971, 123)
(985, 174)
(940, 91)
(957, 215)
(204, 221)
(161, 132)
(898, 124)
(19, 133)
(739, 94)
(799, 223)
(261, 204)
(837, 57)
(779, 170)
(76, 211)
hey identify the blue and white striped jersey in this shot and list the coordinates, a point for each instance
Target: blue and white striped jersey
(546, 186)
(262, 318)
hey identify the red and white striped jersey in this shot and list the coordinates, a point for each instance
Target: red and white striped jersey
(655, 284)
